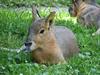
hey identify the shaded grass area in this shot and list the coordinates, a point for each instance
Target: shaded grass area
(13, 31)
(19, 3)
(28, 3)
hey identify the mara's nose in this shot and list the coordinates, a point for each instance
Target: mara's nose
(28, 44)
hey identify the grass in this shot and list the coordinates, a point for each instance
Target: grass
(28, 3)
(13, 31)
(18, 3)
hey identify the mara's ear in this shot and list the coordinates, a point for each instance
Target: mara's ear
(73, 1)
(83, 0)
(35, 13)
(79, 1)
(50, 18)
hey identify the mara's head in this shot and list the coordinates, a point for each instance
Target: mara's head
(73, 9)
(39, 32)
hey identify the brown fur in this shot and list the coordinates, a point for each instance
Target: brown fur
(88, 14)
(50, 44)
(49, 51)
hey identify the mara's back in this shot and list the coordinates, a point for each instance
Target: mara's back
(66, 40)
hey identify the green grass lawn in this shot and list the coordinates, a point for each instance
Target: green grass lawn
(18, 3)
(28, 3)
(13, 30)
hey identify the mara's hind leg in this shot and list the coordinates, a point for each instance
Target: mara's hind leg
(98, 28)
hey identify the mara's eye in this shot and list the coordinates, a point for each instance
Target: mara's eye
(41, 31)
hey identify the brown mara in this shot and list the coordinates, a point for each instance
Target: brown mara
(87, 13)
(49, 44)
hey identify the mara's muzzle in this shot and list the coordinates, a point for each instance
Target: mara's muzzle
(29, 46)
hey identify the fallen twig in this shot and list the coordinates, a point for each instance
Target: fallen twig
(12, 50)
